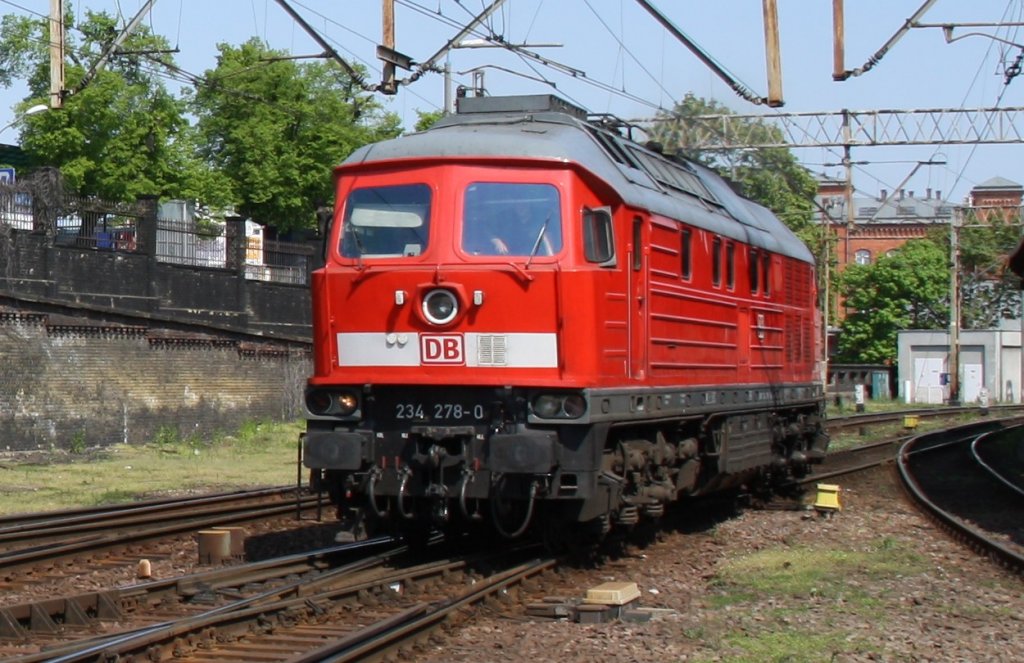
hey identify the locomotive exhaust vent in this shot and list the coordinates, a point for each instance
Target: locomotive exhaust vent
(492, 350)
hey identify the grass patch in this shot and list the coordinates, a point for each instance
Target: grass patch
(808, 572)
(784, 646)
(795, 594)
(258, 455)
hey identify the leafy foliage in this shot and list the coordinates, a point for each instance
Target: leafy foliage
(908, 289)
(269, 130)
(989, 292)
(427, 119)
(275, 128)
(122, 135)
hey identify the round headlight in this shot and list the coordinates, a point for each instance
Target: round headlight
(574, 406)
(318, 402)
(440, 306)
(547, 406)
(347, 403)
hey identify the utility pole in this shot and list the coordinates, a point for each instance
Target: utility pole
(838, 40)
(848, 166)
(954, 308)
(56, 53)
(387, 83)
(772, 51)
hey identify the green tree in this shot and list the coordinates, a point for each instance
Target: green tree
(121, 135)
(989, 292)
(275, 128)
(427, 119)
(908, 289)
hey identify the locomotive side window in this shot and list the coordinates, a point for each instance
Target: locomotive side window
(507, 218)
(638, 226)
(386, 221)
(766, 262)
(754, 265)
(598, 242)
(685, 254)
(730, 265)
(716, 262)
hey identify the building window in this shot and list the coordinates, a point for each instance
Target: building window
(862, 257)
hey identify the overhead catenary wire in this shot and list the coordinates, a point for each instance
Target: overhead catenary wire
(738, 87)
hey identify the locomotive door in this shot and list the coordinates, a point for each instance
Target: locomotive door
(638, 301)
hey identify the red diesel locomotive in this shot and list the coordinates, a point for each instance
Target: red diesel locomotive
(528, 321)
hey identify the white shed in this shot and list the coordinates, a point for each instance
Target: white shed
(990, 359)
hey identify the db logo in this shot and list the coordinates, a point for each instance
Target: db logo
(441, 349)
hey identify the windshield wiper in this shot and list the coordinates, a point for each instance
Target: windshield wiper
(360, 250)
(540, 238)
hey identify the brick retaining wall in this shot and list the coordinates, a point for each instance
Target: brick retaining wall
(68, 381)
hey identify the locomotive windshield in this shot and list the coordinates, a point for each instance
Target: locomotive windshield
(511, 219)
(386, 221)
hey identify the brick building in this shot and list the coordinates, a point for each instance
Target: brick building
(880, 224)
(996, 196)
(886, 222)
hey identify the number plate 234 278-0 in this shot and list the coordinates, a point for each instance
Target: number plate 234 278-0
(431, 412)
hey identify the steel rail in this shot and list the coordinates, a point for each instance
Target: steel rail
(853, 420)
(1010, 482)
(949, 521)
(22, 558)
(160, 637)
(377, 639)
(14, 523)
(290, 595)
(91, 608)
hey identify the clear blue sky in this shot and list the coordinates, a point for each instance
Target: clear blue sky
(630, 66)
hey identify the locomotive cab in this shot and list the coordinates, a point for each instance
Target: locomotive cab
(445, 362)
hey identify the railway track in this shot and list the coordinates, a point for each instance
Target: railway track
(65, 624)
(945, 412)
(869, 455)
(47, 543)
(346, 613)
(946, 474)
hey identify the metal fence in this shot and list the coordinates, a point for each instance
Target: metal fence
(90, 223)
(16, 209)
(184, 242)
(283, 262)
(180, 242)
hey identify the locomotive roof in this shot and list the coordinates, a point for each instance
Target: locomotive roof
(545, 127)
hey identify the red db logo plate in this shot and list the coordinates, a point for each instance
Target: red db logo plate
(442, 349)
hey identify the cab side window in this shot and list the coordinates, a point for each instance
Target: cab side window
(716, 262)
(730, 265)
(598, 240)
(754, 264)
(686, 254)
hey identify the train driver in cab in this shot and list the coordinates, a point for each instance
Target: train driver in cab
(515, 226)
